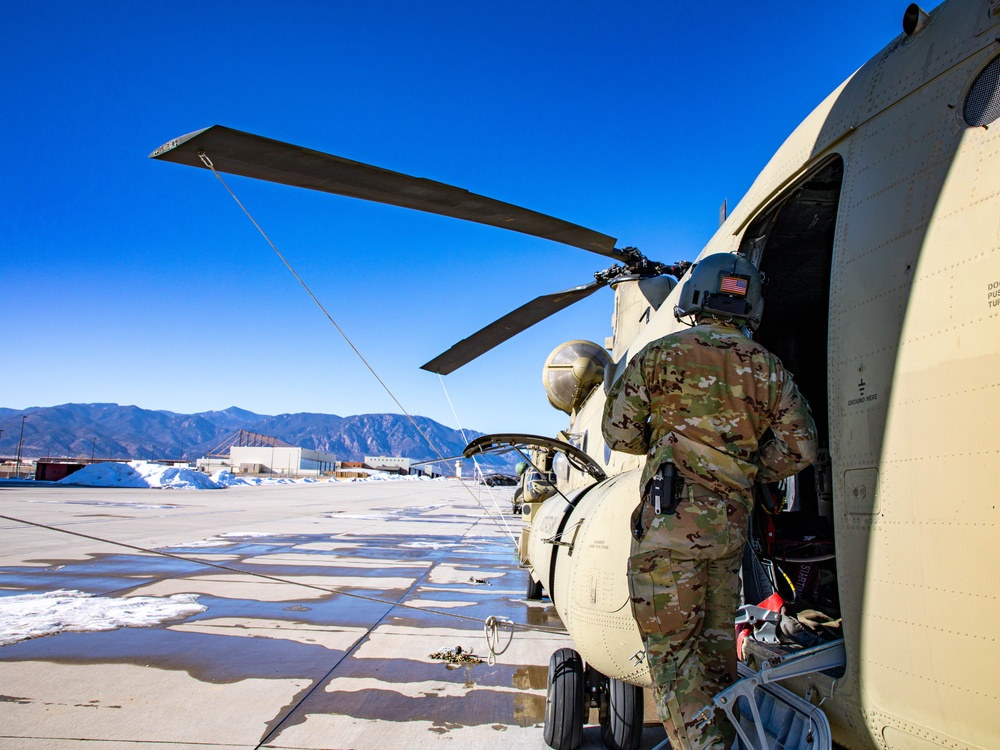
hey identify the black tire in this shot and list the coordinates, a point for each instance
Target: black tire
(623, 728)
(564, 701)
(517, 500)
(535, 588)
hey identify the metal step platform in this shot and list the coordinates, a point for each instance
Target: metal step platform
(769, 717)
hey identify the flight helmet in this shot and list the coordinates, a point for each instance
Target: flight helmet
(725, 286)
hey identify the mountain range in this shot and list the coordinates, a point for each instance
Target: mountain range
(129, 432)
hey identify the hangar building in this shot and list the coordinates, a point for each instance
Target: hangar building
(280, 460)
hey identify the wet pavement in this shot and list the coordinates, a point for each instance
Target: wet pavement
(324, 605)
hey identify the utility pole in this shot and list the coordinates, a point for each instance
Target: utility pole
(93, 447)
(20, 440)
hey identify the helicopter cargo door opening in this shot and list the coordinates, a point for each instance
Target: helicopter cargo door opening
(791, 551)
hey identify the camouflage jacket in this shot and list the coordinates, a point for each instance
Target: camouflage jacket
(703, 399)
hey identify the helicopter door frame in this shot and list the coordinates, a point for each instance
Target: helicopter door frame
(792, 241)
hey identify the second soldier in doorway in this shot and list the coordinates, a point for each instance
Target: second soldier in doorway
(713, 411)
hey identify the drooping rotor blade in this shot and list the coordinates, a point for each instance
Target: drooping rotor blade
(240, 153)
(508, 326)
(498, 443)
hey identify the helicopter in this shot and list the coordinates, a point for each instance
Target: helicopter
(875, 225)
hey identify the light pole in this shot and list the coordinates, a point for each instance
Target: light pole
(93, 447)
(20, 440)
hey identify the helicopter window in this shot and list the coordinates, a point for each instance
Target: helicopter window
(791, 548)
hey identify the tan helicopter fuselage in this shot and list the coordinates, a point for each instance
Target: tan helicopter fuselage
(877, 224)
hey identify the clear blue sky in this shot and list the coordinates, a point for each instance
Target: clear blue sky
(131, 281)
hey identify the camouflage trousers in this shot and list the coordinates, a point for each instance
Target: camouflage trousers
(684, 585)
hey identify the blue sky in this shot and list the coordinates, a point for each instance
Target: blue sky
(131, 281)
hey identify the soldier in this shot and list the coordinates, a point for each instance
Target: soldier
(698, 404)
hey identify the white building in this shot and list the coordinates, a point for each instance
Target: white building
(388, 462)
(280, 460)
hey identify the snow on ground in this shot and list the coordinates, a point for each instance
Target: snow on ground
(140, 474)
(143, 474)
(34, 615)
(381, 477)
(174, 478)
(106, 475)
(226, 478)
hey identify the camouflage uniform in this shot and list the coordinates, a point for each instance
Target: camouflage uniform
(702, 399)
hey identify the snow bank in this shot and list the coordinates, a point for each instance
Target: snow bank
(170, 477)
(140, 474)
(106, 475)
(143, 474)
(34, 615)
(376, 476)
(226, 478)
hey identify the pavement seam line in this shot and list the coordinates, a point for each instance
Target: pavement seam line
(275, 732)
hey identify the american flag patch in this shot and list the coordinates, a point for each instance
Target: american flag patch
(734, 285)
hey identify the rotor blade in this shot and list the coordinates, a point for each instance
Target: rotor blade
(498, 443)
(508, 326)
(250, 155)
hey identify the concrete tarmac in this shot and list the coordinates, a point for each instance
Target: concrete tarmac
(324, 610)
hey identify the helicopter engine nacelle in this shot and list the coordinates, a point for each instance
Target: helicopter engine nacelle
(579, 551)
(572, 371)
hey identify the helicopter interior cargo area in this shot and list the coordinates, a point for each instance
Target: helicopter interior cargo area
(791, 551)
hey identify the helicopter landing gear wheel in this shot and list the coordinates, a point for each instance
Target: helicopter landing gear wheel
(534, 592)
(564, 701)
(621, 726)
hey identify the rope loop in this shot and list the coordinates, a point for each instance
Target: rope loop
(493, 626)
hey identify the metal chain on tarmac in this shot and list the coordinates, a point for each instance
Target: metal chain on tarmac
(208, 163)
